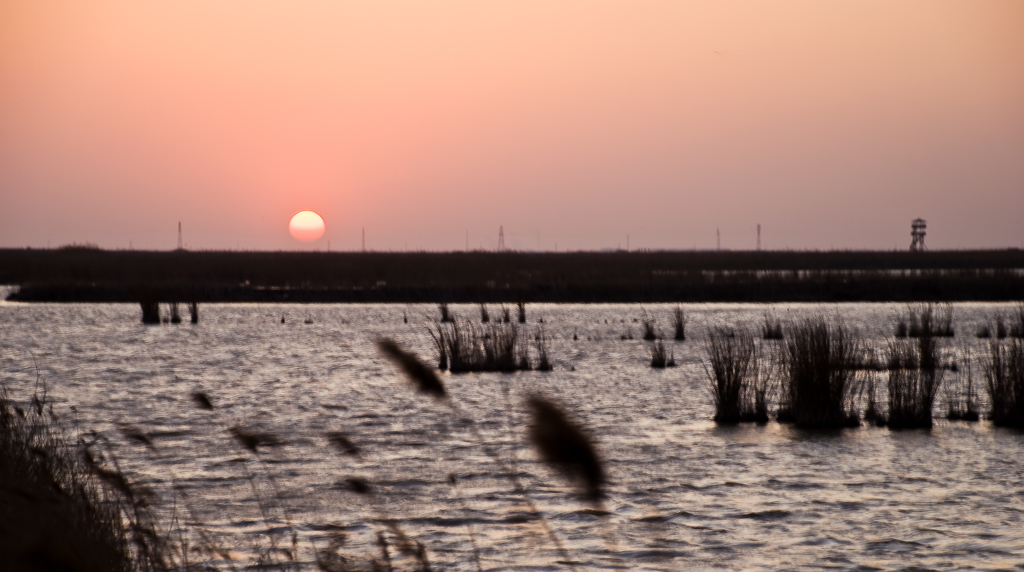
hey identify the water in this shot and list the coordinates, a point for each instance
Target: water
(684, 493)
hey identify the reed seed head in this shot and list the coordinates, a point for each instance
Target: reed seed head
(423, 377)
(565, 446)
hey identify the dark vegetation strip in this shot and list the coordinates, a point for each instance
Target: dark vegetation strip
(91, 275)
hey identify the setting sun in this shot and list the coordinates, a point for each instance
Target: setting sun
(306, 226)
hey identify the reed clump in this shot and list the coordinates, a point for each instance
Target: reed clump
(737, 387)
(961, 401)
(446, 315)
(647, 326)
(678, 324)
(1017, 322)
(771, 328)
(913, 383)
(926, 320)
(660, 358)
(818, 388)
(59, 510)
(463, 347)
(150, 311)
(1004, 376)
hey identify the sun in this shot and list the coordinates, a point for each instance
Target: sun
(306, 226)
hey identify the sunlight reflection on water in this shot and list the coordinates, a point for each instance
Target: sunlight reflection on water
(684, 493)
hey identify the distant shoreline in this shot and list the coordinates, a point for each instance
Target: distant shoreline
(92, 275)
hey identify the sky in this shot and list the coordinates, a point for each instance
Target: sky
(569, 125)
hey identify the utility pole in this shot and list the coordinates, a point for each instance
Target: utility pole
(501, 238)
(179, 236)
(718, 233)
(759, 237)
(364, 239)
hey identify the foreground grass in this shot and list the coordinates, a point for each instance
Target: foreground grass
(53, 514)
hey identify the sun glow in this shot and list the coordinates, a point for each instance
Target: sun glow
(306, 226)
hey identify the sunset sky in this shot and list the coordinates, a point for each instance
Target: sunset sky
(572, 124)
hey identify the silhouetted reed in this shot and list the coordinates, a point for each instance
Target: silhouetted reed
(647, 326)
(446, 315)
(59, 508)
(1017, 322)
(498, 347)
(926, 320)
(679, 324)
(521, 306)
(543, 363)
(872, 413)
(728, 368)
(771, 329)
(175, 314)
(506, 317)
(960, 393)
(661, 359)
(150, 311)
(912, 390)
(484, 316)
(1004, 374)
(565, 446)
(193, 312)
(818, 375)
(424, 378)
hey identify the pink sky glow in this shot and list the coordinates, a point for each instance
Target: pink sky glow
(572, 124)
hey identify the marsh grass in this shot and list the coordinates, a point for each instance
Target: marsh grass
(678, 324)
(926, 320)
(1004, 376)
(175, 314)
(464, 347)
(728, 368)
(1017, 322)
(484, 316)
(446, 315)
(818, 389)
(914, 384)
(647, 327)
(193, 312)
(961, 396)
(771, 328)
(660, 358)
(521, 306)
(150, 311)
(60, 509)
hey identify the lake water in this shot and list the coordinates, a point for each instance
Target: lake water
(684, 494)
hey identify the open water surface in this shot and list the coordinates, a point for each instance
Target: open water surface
(684, 493)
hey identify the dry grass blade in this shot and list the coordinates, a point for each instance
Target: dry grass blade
(202, 400)
(565, 446)
(423, 377)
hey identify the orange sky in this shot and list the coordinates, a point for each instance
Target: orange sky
(572, 124)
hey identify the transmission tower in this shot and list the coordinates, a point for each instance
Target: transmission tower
(501, 238)
(917, 235)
